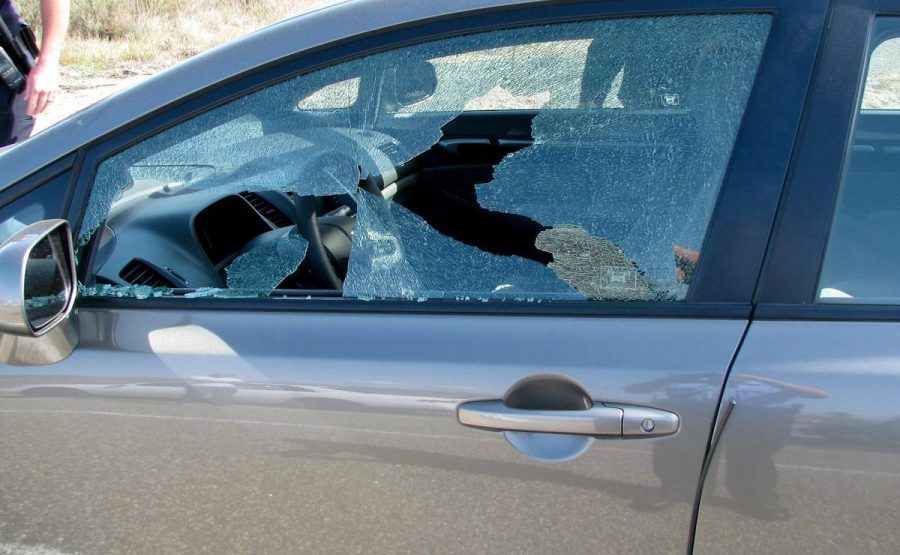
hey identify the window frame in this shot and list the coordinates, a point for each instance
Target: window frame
(741, 220)
(48, 175)
(789, 282)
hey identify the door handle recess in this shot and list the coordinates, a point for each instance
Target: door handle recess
(601, 420)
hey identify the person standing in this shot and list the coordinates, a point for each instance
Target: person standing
(31, 75)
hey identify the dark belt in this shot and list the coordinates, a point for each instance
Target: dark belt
(18, 51)
(19, 43)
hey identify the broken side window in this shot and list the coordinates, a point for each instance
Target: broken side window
(635, 123)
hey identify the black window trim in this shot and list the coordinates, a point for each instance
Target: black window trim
(725, 279)
(300, 304)
(38, 179)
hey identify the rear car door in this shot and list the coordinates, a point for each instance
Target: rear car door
(574, 231)
(808, 456)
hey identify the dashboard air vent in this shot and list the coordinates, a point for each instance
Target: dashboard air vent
(138, 272)
(267, 209)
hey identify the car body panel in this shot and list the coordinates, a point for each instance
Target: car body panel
(183, 431)
(808, 458)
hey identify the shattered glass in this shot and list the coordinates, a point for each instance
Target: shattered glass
(636, 122)
(261, 143)
(396, 254)
(264, 267)
(644, 176)
(221, 293)
(335, 96)
(146, 292)
(32, 303)
(492, 79)
(123, 291)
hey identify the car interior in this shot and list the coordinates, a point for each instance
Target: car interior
(438, 185)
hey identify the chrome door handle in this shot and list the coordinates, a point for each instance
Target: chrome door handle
(601, 420)
(598, 420)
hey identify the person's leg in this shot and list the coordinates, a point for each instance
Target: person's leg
(15, 125)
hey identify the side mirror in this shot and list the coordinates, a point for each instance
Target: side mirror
(37, 293)
(414, 83)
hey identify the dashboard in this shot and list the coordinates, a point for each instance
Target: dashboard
(185, 238)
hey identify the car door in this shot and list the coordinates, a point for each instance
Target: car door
(808, 456)
(459, 393)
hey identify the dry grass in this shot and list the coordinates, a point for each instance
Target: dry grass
(118, 37)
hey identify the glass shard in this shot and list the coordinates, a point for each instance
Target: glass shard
(396, 254)
(264, 267)
(126, 291)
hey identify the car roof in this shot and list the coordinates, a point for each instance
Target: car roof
(308, 30)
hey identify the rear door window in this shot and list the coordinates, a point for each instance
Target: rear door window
(862, 260)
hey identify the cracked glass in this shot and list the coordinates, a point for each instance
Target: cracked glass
(396, 254)
(601, 188)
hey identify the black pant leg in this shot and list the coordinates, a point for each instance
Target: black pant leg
(15, 125)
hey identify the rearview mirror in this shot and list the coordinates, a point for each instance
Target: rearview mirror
(37, 293)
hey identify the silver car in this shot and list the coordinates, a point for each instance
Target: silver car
(484, 276)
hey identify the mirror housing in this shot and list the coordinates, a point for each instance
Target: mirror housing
(38, 287)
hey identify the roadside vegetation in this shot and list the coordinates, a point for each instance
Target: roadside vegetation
(116, 38)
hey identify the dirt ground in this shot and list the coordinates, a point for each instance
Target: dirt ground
(78, 92)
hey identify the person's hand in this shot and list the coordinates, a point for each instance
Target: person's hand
(41, 86)
(685, 263)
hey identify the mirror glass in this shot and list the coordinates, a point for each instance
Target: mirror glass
(47, 279)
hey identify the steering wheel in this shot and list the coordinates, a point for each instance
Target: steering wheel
(321, 262)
